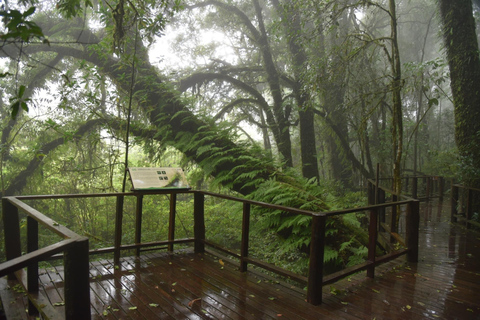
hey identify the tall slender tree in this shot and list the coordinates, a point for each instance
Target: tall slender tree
(461, 46)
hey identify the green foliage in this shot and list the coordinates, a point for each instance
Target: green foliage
(72, 8)
(18, 26)
(19, 101)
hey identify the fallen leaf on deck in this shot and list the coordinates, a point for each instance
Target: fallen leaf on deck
(174, 284)
(343, 302)
(221, 262)
(376, 291)
(105, 312)
(190, 304)
(132, 308)
(251, 296)
(408, 307)
(279, 315)
(421, 303)
(154, 305)
(468, 309)
(271, 298)
(57, 304)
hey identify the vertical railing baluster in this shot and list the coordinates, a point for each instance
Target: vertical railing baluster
(315, 266)
(394, 218)
(454, 203)
(77, 285)
(381, 211)
(412, 226)
(414, 187)
(199, 221)
(118, 230)
(11, 227)
(171, 220)
(429, 187)
(441, 187)
(32, 269)
(245, 236)
(371, 193)
(372, 241)
(469, 207)
(138, 222)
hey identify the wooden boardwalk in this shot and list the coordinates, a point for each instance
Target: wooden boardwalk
(445, 284)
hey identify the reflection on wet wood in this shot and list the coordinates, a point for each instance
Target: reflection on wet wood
(444, 284)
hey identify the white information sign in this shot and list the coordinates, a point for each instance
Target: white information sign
(158, 178)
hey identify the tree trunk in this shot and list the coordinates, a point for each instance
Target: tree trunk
(308, 148)
(397, 131)
(462, 54)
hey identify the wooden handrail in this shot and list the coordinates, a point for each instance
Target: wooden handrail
(74, 247)
(315, 279)
(25, 260)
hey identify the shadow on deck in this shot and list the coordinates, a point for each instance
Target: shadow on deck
(444, 284)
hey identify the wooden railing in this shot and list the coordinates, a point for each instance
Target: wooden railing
(463, 204)
(422, 187)
(75, 247)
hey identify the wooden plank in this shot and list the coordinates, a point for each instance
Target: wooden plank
(117, 281)
(251, 291)
(13, 301)
(177, 283)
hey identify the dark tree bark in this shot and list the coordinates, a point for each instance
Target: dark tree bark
(463, 59)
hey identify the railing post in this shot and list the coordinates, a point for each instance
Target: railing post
(171, 220)
(371, 193)
(372, 241)
(77, 285)
(453, 204)
(394, 218)
(245, 236)
(441, 187)
(381, 211)
(315, 265)
(138, 222)
(469, 207)
(118, 230)
(429, 186)
(11, 229)
(412, 226)
(199, 221)
(32, 269)
(415, 188)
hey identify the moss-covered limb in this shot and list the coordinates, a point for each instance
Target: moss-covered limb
(20, 180)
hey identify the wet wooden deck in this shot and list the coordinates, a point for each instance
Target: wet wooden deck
(444, 284)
